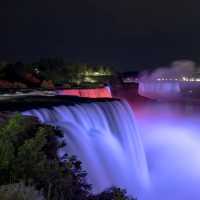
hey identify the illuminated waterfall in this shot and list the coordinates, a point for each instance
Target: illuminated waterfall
(154, 89)
(104, 137)
(104, 92)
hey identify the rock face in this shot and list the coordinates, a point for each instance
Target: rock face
(129, 92)
(22, 103)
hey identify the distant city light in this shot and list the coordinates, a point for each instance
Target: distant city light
(182, 79)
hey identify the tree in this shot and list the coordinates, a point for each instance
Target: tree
(28, 155)
(47, 85)
(28, 152)
(112, 194)
(19, 191)
(3, 66)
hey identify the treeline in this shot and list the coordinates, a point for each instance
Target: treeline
(30, 168)
(51, 72)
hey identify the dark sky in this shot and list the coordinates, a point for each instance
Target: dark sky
(126, 33)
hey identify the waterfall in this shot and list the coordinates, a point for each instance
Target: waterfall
(104, 137)
(155, 89)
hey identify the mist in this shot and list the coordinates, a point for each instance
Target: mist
(176, 69)
(171, 139)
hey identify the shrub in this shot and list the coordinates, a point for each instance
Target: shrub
(19, 191)
(112, 194)
(19, 85)
(47, 85)
(28, 154)
(31, 78)
(5, 84)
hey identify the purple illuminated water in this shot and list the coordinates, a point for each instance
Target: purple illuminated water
(170, 135)
(158, 160)
(157, 89)
(104, 137)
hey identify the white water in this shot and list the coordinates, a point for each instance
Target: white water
(157, 89)
(104, 137)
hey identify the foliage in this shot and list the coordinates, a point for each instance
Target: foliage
(17, 75)
(28, 154)
(112, 194)
(19, 85)
(5, 84)
(31, 79)
(19, 191)
(2, 69)
(47, 85)
(56, 70)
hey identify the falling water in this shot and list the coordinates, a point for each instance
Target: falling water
(155, 89)
(104, 137)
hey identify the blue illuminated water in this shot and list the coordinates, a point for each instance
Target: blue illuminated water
(105, 138)
(155, 89)
(171, 139)
(155, 155)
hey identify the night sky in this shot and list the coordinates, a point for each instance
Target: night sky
(128, 34)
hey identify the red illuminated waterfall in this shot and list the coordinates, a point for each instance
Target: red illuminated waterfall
(91, 93)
